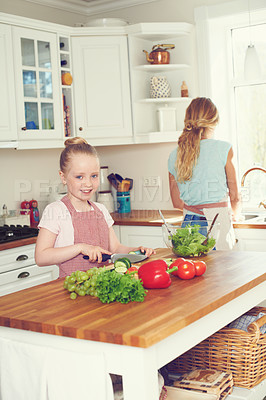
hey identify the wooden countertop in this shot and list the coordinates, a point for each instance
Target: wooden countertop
(47, 308)
(152, 218)
(147, 217)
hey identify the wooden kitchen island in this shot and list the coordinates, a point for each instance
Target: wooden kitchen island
(139, 338)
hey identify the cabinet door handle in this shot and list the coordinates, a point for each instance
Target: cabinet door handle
(22, 257)
(24, 128)
(80, 128)
(24, 274)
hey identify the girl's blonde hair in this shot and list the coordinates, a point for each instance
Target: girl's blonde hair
(74, 146)
(201, 115)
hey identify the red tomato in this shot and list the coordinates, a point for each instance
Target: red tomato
(200, 267)
(186, 270)
(176, 263)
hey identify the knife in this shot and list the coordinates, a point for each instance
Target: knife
(134, 258)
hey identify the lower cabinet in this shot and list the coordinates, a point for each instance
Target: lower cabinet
(148, 236)
(18, 270)
(250, 240)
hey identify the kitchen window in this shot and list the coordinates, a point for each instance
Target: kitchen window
(224, 32)
(249, 98)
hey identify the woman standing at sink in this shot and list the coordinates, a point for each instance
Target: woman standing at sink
(202, 173)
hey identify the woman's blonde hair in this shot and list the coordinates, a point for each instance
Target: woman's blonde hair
(201, 115)
(74, 146)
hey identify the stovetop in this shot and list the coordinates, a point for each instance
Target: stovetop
(9, 233)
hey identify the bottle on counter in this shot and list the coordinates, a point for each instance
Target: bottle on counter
(5, 212)
(184, 89)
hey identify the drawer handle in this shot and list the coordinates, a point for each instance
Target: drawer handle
(23, 275)
(23, 257)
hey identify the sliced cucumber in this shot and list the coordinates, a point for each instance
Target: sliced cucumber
(120, 263)
(126, 261)
(121, 270)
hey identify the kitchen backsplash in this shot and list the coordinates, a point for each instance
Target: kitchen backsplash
(32, 172)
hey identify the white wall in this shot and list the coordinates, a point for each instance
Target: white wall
(34, 169)
(27, 174)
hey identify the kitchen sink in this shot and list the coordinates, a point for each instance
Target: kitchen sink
(249, 216)
(253, 218)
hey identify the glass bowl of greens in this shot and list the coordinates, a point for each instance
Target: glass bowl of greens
(190, 240)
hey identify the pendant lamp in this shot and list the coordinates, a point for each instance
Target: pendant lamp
(252, 63)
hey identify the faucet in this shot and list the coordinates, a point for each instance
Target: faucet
(262, 203)
(248, 171)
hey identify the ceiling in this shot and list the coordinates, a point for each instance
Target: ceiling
(90, 7)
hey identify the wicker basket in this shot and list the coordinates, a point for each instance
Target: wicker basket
(243, 353)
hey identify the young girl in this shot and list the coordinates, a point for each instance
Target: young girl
(76, 226)
(202, 174)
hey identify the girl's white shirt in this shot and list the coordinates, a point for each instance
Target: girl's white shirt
(57, 219)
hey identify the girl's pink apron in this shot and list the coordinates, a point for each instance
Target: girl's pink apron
(89, 227)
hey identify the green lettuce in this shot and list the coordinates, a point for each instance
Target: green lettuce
(187, 242)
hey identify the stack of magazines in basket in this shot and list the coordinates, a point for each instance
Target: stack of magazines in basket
(205, 384)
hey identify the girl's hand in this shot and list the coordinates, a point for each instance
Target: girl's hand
(94, 252)
(146, 250)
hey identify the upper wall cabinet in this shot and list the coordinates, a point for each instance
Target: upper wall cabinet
(8, 128)
(39, 100)
(102, 89)
(158, 108)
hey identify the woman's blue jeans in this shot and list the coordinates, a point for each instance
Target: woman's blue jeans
(192, 219)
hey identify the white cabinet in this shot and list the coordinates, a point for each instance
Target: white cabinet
(101, 89)
(181, 68)
(250, 240)
(18, 270)
(39, 100)
(148, 236)
(8, 128)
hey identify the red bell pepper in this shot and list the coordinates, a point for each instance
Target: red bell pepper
(155, 275)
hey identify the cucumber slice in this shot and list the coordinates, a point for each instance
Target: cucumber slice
(126, 261)
(121, 270)
(120, 263)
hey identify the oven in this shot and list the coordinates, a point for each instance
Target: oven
(18, 270)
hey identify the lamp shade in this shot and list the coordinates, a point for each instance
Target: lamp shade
(252, 63)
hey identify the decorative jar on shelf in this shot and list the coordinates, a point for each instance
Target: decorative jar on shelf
(159, 87)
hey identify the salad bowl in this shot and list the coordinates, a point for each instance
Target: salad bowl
(187, 241)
